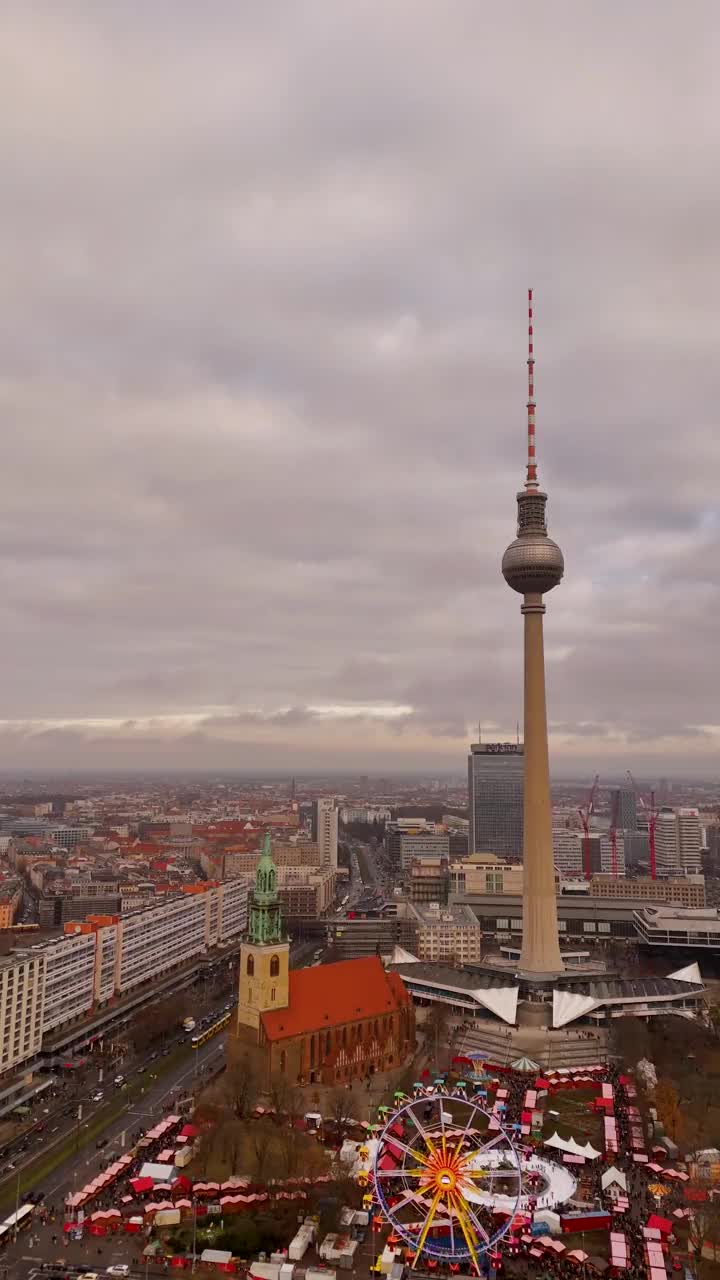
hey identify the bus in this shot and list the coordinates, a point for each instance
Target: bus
(188, 1024)
(214, 1030)
(16, 1222)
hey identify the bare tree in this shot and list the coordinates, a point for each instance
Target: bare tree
(340, 1107)
(261, 1142)
(233, 1135)
(290, 1147)
(285, 1097)
(241, 1086)
(704, 1232)
(436, 1025)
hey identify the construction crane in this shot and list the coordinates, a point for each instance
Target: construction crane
(613, 834)
(585, 816)
(651, 814)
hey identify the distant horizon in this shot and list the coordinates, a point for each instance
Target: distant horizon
(303, 776)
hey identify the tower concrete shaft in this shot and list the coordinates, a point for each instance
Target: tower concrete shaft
(532, 565)
(540, 953)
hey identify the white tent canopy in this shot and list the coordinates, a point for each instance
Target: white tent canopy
(572, 1147)
(611, 1176)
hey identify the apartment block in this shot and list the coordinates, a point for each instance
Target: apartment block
(449, 935)
(688, 892)
(325, 829)
(22, 977)
(484, 873)
(69, 979)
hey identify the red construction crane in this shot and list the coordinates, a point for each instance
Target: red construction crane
(585, 816)
(651, 813)
(613, 834)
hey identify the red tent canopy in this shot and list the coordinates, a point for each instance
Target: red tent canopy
(139, 1185)
(663, 1225)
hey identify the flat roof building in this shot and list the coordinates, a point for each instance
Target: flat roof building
(495, 798)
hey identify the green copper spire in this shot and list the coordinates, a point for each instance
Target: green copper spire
(265, 921)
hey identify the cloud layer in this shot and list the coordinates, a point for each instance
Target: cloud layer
(262, 379)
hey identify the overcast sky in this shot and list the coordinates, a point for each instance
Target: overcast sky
(262, 379)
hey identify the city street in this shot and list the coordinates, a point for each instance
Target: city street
(78, 1168)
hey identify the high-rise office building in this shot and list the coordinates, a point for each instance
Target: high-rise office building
(325, 829)
(678, 841)
(623, 805)
(495, 796)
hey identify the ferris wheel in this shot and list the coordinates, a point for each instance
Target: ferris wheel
(446, 1174)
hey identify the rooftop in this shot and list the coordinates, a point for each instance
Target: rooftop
(332, 994)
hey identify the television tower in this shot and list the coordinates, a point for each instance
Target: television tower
(533, 564)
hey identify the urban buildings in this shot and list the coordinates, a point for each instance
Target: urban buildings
(495, 799)
(687, 892)
(673, 927)
(21, 1008)
(51, 984)
(306, 891)
(409, 840)
(327, 1024)
(678, 842)
(325, 829)
(623, 805)
(446, 935)
(429, 880)
(484, 873)
(569, 852)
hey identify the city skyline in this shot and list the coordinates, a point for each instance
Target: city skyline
(261, 359)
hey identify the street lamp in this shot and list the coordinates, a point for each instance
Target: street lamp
(194, 1235)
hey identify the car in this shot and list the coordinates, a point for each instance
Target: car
(101, 1142)
(97, 1096)
(88, 1275)
(118, 1269)
(119, 1082)
(141, 1071)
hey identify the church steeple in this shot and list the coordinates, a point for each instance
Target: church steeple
(265, 920)
(264, 952)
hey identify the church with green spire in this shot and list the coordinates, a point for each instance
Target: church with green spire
(264, 953)
(265, 921)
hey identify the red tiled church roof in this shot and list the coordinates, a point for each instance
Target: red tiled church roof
(328, 995)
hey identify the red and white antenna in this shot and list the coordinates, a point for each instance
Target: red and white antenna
(532, 480)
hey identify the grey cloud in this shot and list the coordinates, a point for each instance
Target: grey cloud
(262, 377)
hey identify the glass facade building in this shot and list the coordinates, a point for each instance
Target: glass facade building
(495, 797)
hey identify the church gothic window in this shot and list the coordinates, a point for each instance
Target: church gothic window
(250, 966)
(274, 966)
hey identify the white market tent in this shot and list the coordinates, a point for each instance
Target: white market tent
(611, 1176)
(572, 1147)
(158, 1172)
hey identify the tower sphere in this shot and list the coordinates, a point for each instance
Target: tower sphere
(533, 564)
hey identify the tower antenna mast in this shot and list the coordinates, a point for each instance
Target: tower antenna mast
(531, 482)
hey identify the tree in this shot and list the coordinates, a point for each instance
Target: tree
(261, 1141)
(290, 1145)
(704, 1231)
(285, 1097)
(241, 1086)
(667, 1102)
(631, 1040)
(233, 1136)
(340, 1107)
(156, 1021)
(436, 1025)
